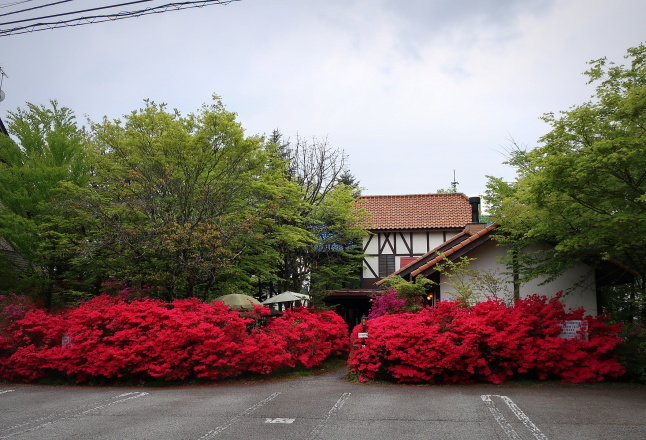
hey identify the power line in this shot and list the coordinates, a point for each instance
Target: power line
(8, 5)
(62, 14)
(35, 7)
(84, 20)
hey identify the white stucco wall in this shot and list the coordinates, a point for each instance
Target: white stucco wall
(372, 242)
(374, 264)
(578, 282)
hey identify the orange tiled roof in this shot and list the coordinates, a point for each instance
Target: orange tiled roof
(417, 211)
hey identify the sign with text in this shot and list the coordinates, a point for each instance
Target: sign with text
(363, 335)
(574, 329)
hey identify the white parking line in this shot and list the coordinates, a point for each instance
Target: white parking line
(67, 415)
(126, 397)
(337, 406)
(279, 420)
(7, 391)
(231, 421)
(504, 424)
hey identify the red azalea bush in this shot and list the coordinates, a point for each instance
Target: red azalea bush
(487, 342)
(311, 336)
(12, 308)
(112, 338)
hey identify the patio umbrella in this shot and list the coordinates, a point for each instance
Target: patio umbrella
(286, 297)
(239, 301)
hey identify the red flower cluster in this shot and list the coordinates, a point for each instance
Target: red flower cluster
(114, 338)
(311, 336)
(487, 342)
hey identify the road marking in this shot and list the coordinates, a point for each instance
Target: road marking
(7, 391)
(68, 414)
(504, 424)
(337, 406)
(125, 398)
(231, 421)
(279, 420)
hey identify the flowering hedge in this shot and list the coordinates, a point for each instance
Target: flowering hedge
(114, 338)
(311, 336)
(486, 342)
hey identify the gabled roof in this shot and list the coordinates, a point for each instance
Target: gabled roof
(452, 247)
(455, 247)
(416, 211)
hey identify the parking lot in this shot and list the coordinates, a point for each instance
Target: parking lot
(322, 407)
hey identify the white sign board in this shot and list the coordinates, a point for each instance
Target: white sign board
(363, 335)
(573, 330)
(66, 341)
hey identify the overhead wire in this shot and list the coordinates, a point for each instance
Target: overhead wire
(62, 14)
(8, 5)
(91, 19)
(36, 7)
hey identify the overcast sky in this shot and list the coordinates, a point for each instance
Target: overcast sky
(411, 90)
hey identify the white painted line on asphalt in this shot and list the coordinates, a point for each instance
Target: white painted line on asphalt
(337, 406)
(231, 421)
(280, 420)
(500, 418)
(126, 397)
(523, 418)
(504, 424)
(68, 415)
(7, 391)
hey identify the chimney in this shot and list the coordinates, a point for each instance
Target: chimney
(475, 209)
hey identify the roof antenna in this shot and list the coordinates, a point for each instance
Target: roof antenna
(454, 184)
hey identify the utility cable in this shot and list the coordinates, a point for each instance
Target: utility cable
(80, 21)
(62, 14)
(8, 5)
(36, 7)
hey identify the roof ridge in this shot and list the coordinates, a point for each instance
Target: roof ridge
(414, 195)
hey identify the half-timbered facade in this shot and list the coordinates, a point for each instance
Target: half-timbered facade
(405, 227)
(402, 229)
(412, 235)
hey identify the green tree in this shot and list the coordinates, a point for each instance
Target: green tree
(584, 187)
(331, 258)
(186, 202)
(35, 172)
(337, 254)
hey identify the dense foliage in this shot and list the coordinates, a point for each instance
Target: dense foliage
(489, 341)
(583, 187)
(187, 203)
(116, 339)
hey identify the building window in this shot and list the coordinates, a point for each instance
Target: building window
(405, 261)
(386, 265)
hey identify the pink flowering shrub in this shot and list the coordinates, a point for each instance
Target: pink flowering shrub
(487, 342)
(112, 338)
(386, 303)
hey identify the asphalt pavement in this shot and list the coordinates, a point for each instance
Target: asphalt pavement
(322, 407)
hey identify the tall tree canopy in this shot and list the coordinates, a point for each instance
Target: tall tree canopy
(584, 187)
(48, 155)
(188, 200)
(188, 204)
(331, 259)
